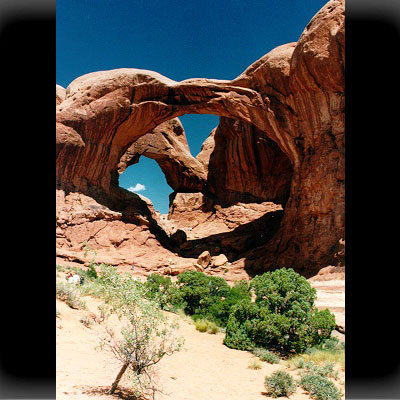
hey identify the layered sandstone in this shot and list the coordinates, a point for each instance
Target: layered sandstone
(281, 140)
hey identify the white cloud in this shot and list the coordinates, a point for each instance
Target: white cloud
(137, 188)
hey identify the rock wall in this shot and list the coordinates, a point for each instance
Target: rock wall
(281, 139)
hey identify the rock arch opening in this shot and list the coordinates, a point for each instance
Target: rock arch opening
(228, 199)
(146, 179)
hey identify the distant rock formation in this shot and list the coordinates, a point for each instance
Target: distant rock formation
(280, 139)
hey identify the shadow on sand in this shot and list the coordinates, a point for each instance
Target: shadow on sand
(120, 393)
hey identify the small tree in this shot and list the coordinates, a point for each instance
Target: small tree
(146, 337)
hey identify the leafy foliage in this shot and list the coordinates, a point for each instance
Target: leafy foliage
(162, 290)
(199, 295)
(282, 317)
(200, 291)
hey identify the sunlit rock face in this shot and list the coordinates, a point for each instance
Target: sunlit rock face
(280, 139)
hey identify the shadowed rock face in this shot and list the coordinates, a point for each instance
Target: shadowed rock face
(281, 139)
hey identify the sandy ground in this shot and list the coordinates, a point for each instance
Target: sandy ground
(331, 295)
(204, 369)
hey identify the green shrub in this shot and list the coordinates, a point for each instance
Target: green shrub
(282, 291)
(199, 292)
(162, 290)
(279, 384)
(265, 355)
(319, 387)
(240, 326)
(91, 272)
(283, 315)
(221, 307)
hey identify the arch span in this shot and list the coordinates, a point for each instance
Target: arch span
(294, 95)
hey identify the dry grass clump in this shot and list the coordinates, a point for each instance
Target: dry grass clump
(255, 363)
(70, 295)
(318, 357)
(203, 325)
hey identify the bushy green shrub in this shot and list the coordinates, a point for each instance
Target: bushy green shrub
(220, 309)
(280, 290)
(241, 326)
(283, 315)
(162, 290)
(319, 387)
(199, 295)
(91, 272)
(200, 292)
(279, 384)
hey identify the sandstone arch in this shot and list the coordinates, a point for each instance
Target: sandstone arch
(294, 95)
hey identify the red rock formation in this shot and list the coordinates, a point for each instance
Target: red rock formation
(246, 166)
(293, 96)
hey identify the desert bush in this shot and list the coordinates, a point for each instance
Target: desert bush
(199, 292)
(69, 294)
(221, 307)
(279, 384)
(201, 325)
(283, 316)
(265, 355)
(319, 387)
(326, 369)
(162, 290)
(146, 337)
(240, 327)
(198, 295)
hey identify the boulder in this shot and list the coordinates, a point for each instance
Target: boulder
(204, 259)
(219, 261)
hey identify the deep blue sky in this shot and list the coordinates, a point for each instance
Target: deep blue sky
(179, 39)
